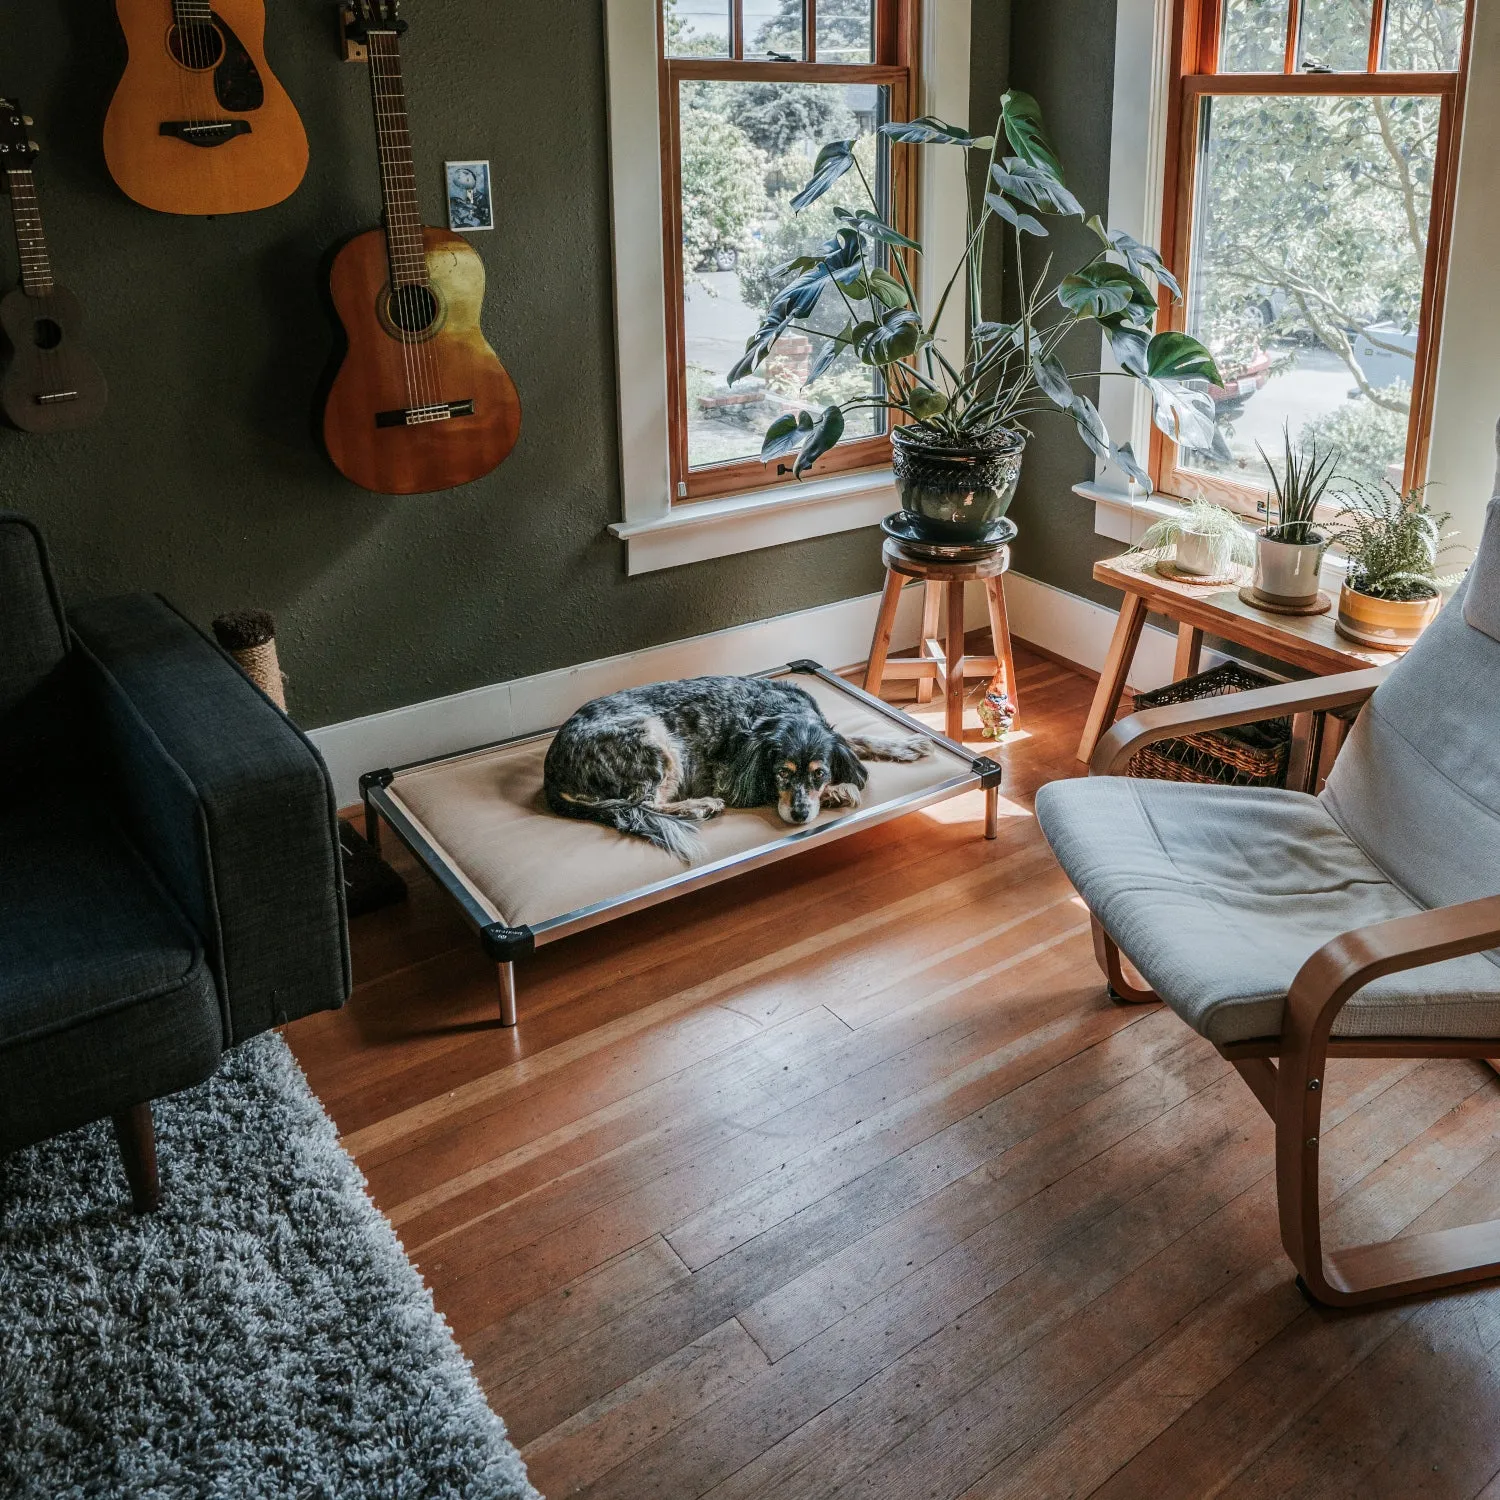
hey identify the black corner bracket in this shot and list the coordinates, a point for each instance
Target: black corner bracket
(988, 771)
(504, 945)
(804, 664)
(375, 778)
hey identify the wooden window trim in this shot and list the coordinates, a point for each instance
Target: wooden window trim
(897, 44)
(1195, 47)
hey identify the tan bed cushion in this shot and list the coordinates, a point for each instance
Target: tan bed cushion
(485, 815)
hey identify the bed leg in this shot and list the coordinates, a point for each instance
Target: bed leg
(372, 826)
(992, 812)
(507, 994)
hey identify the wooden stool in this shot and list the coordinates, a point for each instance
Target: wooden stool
(935, 664)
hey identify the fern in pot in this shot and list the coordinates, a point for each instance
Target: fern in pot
(1205, 540)
(1289, 552)
(958, 413)
(1392, 590)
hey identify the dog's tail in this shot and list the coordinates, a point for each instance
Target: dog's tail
(636, 819)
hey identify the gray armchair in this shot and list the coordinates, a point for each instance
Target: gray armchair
(1289, 929)
(169, 862)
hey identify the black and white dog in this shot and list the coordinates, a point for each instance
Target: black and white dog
(649, 760)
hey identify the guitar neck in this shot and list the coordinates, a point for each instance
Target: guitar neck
(398, 177)
(192, 12)
(36, 267)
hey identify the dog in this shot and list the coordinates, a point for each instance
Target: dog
(650, 761)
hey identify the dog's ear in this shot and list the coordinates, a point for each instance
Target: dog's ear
(750, 765)
(844, 765)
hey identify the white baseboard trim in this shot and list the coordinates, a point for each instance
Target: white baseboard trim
(835, 634)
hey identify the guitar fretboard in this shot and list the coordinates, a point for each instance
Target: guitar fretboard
(36, 268)
(398, 177)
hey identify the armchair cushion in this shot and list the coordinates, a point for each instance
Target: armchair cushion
(35, 691)
(105, 997)
(1219, 894)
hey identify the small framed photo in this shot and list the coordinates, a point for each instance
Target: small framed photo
(470, 203)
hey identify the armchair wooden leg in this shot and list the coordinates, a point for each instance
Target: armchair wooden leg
(1120, 988)
(136, 1135)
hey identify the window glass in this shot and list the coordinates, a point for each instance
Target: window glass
(774, 26)
(846, 31)
(1253, 38)
(698, 28)
(746, 148)
(1309, 245)
(1423, 36)
(1335, 36)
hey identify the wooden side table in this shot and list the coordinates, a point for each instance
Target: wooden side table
(1306, 641)
(943, 664)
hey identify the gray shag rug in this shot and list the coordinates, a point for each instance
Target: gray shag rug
(263, 1335)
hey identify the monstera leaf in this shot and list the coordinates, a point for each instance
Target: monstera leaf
(1179, 356)
(931, 131)
(832, 162)
(826, 432)
(1104, 290)
(1034, 188)
(1013, 216)
(1021, 117)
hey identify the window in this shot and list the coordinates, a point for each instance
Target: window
(751, 89)
(1315, 149)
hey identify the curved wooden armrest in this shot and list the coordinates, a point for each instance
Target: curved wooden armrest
(1132, 734)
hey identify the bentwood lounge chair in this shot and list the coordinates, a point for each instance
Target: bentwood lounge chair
(1288, 928)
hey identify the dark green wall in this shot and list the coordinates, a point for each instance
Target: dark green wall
(204, 480)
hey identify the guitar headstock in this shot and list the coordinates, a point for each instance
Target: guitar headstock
(364, 17)
(16, 145)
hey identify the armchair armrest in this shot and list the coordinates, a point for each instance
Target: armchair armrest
(1316, 693)
(230, 803)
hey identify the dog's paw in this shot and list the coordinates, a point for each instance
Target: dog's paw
(895, 750)
(699, 809)
(842, 794)
(914, 749)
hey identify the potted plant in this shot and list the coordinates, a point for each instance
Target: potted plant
(1289, 552)
(1206, 539)
(958, 410)
(1392, 589)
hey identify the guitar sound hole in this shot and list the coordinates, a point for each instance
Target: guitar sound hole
(413, 309)
(196, 45)
(46, 333)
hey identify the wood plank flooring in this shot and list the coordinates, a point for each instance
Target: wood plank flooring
(846, 1179)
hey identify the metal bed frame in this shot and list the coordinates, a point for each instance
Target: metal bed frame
(504, 945)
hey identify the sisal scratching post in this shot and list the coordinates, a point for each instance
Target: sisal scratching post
(249, 636)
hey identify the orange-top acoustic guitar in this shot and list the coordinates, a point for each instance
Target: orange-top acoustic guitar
(420, 401)
(199, 124)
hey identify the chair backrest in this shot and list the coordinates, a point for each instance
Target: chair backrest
(1418, 785)
(35, 691)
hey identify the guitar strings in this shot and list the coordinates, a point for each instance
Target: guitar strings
(375, 44)
(54, 364)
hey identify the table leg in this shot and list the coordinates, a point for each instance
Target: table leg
(932, 599)
(994, 597)
(1189, 652)
(954, 646)
(1116, 671)
(885, 623)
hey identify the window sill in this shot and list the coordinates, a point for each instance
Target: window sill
(694, 531)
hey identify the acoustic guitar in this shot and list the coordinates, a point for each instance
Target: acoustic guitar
(50, 382)
(198, 123)
(420, 401)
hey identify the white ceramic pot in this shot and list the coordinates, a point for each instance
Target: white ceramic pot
(1195, 554)
(1287, 572)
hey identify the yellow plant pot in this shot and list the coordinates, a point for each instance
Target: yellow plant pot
(1390, 624)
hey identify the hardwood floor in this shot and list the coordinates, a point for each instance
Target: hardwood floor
(846, 1178)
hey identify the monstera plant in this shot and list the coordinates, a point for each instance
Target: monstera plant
(959, 417)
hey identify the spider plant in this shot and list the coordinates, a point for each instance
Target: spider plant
(1297, 490)
(1223, 532)
(1393, 541)
(994, 374)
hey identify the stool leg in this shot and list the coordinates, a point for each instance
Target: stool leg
(994, 597)
(932, 599)
(955, 649)
(885, 623)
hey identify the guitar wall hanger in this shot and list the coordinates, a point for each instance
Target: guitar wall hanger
(354, 31)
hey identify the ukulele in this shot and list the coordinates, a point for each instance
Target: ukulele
(420, 401)
(198, 123)
(50, 383)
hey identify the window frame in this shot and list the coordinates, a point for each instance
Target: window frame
(897, 49)
(1194, 77)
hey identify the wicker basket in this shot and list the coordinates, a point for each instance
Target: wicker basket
(1242, 755)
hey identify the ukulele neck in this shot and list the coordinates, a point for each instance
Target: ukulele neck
(398, 177)
(36, 267)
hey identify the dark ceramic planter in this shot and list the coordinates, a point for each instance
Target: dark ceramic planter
(955, 492)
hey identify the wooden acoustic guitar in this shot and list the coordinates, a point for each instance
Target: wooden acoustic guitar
(420, 401)
(198, 123)
(51, 383)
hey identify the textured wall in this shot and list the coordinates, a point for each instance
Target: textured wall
(204, 480)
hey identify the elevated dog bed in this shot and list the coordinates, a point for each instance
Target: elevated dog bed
(524, 876)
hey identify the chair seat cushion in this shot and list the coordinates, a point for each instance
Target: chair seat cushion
(1219, 894)
(105, 997)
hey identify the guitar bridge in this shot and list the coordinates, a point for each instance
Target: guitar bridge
(418, 416)
(204, 132)
(56, 398)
